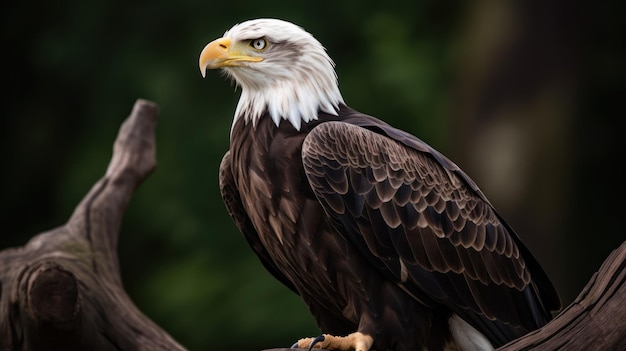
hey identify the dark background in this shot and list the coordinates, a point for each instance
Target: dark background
(526, 96)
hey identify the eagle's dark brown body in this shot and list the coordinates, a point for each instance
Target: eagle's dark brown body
(379, 233)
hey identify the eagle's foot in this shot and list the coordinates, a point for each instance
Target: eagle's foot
(355, 341)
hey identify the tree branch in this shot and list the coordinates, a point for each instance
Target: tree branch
(596, 320)
(62, 290)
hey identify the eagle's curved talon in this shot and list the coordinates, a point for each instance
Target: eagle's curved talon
(314, 341)
(356, 341)
(317, 339)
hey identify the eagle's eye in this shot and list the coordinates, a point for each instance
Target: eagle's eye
(259, 44)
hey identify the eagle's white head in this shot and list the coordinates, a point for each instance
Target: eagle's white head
(281, 69)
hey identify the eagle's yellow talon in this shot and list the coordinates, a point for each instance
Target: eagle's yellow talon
(355, 341)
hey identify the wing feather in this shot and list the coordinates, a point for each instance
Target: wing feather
(415, 217)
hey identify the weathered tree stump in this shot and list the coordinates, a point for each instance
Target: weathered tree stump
(63, 290)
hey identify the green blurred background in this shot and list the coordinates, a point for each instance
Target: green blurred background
(526, 96)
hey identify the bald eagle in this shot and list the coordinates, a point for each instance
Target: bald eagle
(390, 245)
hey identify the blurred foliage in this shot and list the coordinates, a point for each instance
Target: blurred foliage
(73, 69)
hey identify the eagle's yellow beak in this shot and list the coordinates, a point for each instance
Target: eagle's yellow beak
(221, 53)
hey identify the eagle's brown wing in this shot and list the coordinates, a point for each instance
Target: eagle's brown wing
(233, 203)
(425, 227)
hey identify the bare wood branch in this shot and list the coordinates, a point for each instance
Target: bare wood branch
(596, 320)
(62, 290)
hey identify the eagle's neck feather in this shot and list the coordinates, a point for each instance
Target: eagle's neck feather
(297, 102)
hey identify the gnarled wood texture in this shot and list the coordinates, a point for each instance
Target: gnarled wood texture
(596, 320)
(62, 290)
